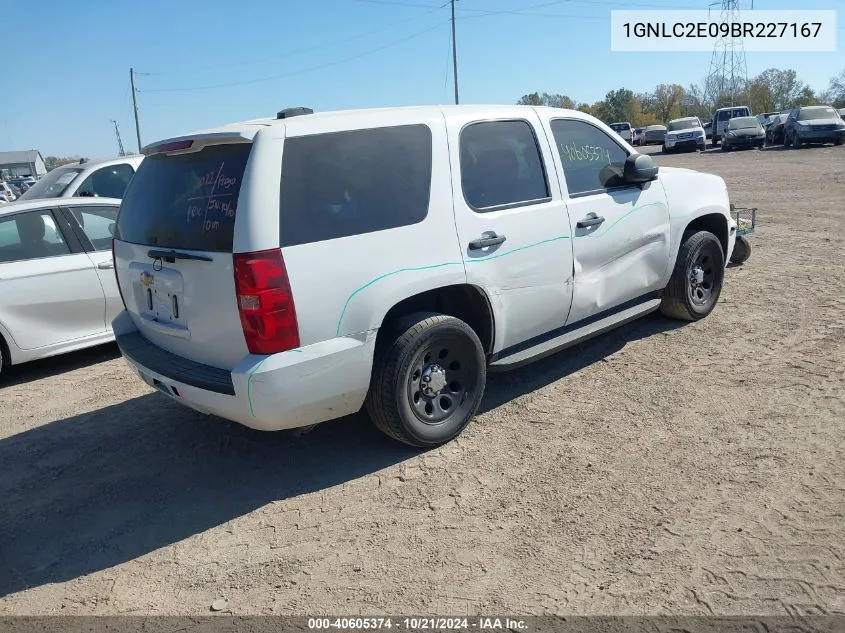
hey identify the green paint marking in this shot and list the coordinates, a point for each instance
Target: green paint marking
(516, 250)
(249, 384)
(386, 275)
(482, 259)
(254, 370)
(619, 219)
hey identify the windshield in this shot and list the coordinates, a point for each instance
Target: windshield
(683, 124)
(744, 123)
(821, 112)
(53, 184)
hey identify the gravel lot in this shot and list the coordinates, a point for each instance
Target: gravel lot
(660, 469)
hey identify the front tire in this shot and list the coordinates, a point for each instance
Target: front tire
(696, 281)
(428, 379)
(796, 141)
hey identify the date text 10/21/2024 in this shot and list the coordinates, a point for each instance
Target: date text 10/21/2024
(418, 623)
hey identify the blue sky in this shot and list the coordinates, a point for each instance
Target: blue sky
(327, 54)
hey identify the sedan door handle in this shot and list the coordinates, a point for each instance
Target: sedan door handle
(590, 220)
(105, 265)
(488, 240)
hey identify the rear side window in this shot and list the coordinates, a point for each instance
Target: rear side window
(107, 182)
(185, 201)
(347, 183)
(97, 223)
(501, 165)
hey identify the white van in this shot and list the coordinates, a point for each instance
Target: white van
(722, 116)
(286, 271)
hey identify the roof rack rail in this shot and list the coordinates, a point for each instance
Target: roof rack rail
(289, 112)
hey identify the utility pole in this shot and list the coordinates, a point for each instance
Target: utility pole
(119, 141)
(135, 106)
(454, 53)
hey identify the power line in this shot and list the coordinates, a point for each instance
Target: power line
(318, 47)
(303, 70)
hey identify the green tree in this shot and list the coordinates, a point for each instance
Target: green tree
(806, 97)
(51, 162)
(667, 101)
(546, 99)
(835, 93)
(784, 86)
(618, 105)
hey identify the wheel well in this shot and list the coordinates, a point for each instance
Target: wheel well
(716, 224)
(465, 302)
(4, 351)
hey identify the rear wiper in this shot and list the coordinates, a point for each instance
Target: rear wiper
(171, 256)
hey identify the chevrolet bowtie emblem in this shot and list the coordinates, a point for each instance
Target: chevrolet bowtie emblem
(147, 279)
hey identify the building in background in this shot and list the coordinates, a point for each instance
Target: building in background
(25, 163)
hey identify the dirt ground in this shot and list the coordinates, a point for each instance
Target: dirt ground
(660, 469)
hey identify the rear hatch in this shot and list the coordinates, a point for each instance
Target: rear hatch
(173, 250)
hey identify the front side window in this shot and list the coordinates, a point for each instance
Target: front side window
(107, 182)
(501, 165)
(97, 223)
(31, 235)
(347, 183)
(592, 160)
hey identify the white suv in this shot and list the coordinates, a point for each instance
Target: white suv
(282, 272)
(95, 179)
(686, 134)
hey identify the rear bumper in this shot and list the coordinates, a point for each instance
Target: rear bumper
(744, 141)
(296, 388)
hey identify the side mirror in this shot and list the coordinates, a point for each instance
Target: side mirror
(639, 168)
(111, 228)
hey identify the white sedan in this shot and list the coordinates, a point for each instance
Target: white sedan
(58, 291)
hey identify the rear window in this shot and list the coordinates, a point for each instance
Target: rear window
(185, 201)
(347, 183)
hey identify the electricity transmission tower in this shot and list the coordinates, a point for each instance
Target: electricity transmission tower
(119, 141)
(727, 80)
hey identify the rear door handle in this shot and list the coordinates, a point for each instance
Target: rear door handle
(105, 265)
(489, 240)
(590, 220)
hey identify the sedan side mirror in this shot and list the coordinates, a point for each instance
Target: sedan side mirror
(639, 168)
(111, 228)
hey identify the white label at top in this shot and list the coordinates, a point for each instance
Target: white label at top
(701, 30)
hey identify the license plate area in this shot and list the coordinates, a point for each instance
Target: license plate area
(159, 294)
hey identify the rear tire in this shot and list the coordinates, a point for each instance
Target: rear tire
(428, 379)
(839, 141)
(741, 251)
(696, 281)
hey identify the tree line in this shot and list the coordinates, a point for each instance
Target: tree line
(773, 90)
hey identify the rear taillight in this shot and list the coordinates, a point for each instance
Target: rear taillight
(114, 265)
(265, 302)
